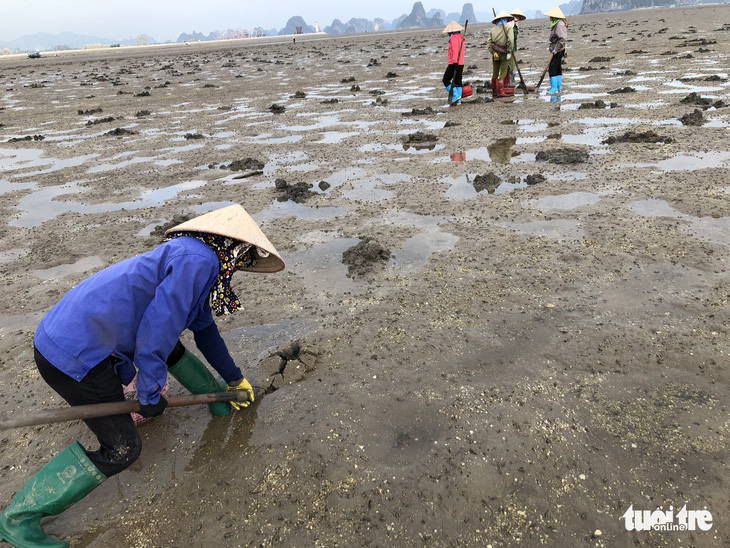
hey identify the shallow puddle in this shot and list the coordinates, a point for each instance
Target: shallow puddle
(462, 188)
(41, 206)
(709, 229)
(683, 162)
(415, 252)
(21, 159)
(367, 190)
(321, 269)
(12, 255)
(292, 209)
(568, 201)
(61, 271)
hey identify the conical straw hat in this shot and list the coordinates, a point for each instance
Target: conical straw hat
(502, 15)
(518, 15)
(234, 222)
(555, 13)
(452, 27)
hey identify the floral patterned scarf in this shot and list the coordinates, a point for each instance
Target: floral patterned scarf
(232, 256)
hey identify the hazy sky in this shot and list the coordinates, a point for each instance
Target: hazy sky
(166, 19)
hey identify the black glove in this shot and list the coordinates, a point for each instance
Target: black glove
(153, 409)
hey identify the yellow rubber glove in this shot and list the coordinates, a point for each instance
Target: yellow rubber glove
(243, 385)
(495, 56)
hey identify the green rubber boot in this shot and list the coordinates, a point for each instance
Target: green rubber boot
(68, 478)
(196, 377)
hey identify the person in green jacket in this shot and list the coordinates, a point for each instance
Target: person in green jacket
(500, 43)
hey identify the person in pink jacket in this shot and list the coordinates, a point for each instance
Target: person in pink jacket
(455, 68)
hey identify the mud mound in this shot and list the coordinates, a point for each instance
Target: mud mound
(534, 179)
(364, 257)
(298, 192)
(287, 365)
(563, 156)
(597, 105)
(638, 137)
(419, 137)
(627, 89)
(696, 99)
(488, 182)
(247, 164)
(120, 132)
(694, 119)
(159, 230)
(420, 112)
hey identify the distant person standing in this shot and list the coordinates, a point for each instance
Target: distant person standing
(501, 44)
(558, 38)
(518, 16)
(455, 67)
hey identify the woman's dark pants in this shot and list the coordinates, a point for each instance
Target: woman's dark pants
(120, 444)
(449, 74)
(556, 64)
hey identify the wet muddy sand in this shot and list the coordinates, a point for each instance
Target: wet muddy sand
(538, 342)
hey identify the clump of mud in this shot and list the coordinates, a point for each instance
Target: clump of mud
(627, 89)
(298, 192)
(247, 164)
(190, 136)
(488, 181)
(420, 112)
(120, 132)
(277, 109)
(597, 105)
(364, 257)
(535, 179)
(299, 95)
(563, 156)
(90, 111)
(696, 99)
(26, 138)
(600, 59)
(287, 365)
(143, 113)
(420, 138)
(638, 137)
(179, 219)
(694, 119)
(100, 121)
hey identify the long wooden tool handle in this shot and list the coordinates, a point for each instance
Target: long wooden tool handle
(544, 72)
(76, 412)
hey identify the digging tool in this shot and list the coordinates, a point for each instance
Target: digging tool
(544, 72)
(453, 78)
(76, 412)
(523, 86)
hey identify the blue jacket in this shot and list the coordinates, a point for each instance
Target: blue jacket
(136, 310)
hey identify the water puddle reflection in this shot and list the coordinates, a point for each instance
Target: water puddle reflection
(61, 271)
(568, 201)
(41, 206)
(710, 229)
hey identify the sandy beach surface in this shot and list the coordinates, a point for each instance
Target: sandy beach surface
(530, 339)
